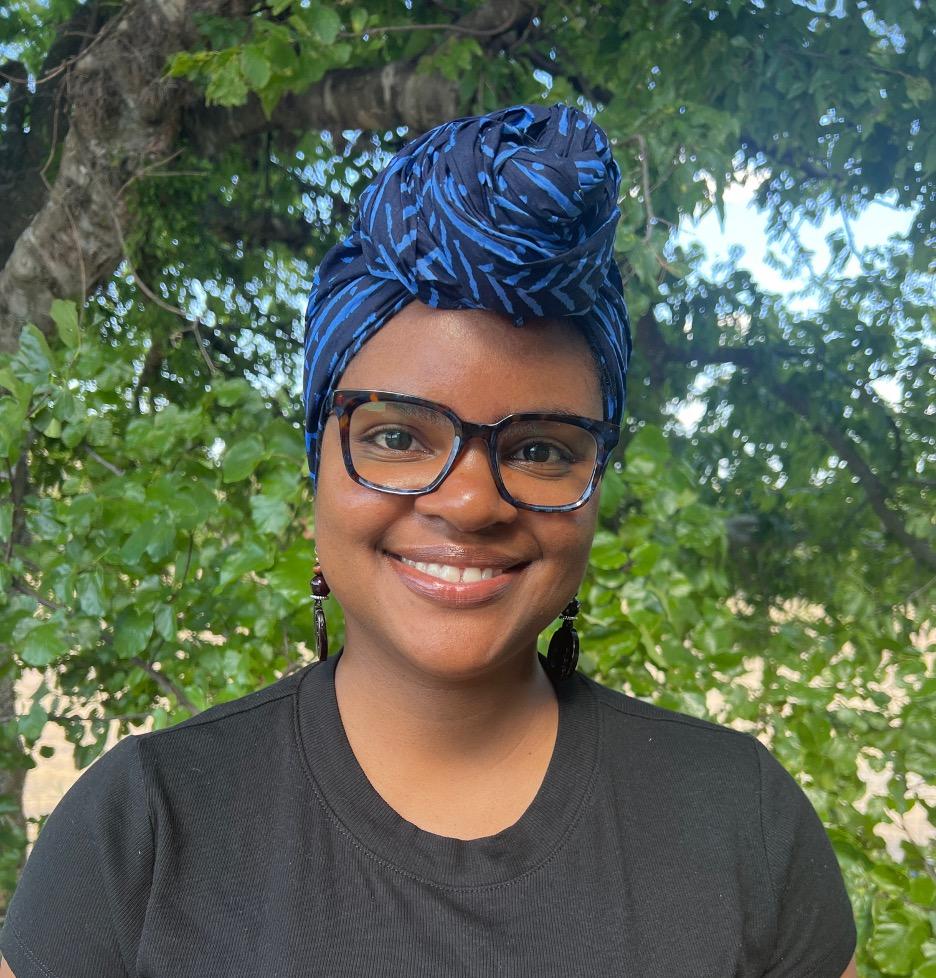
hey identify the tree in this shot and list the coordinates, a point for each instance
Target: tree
(172, 174)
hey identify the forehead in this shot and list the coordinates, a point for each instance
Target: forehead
(479, 363)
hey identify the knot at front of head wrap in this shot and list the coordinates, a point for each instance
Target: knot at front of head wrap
(513, 212)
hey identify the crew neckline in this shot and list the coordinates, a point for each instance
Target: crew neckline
(344, 790)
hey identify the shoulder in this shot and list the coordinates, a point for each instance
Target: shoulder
(703, 790)
(715, 777)
(654, 730)
(239, 710)
(116, 781)
(718, 773)
(237, 727)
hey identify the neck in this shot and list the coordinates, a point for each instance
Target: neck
(424, 721)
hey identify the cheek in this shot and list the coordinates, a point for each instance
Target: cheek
(350, 520)
(570, 543)
(584, 524)
(584, 534)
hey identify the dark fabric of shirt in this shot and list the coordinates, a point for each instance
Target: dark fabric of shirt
(248, 841)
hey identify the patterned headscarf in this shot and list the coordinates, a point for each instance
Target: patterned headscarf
(513, 212)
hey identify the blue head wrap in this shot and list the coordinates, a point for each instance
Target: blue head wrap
(513, 212)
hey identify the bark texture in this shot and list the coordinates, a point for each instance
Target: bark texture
(114, 114)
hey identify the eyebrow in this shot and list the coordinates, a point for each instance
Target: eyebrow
(554, 409)
(559, 410)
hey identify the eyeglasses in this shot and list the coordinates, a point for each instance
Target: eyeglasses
(548, 463)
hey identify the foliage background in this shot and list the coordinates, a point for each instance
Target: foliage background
(772, 569)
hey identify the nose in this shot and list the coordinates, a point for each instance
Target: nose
(468, 497)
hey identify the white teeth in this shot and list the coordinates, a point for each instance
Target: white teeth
(446, 572)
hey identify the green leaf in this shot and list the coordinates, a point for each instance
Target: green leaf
(292, 572)
(340, 53)
(65, 316)
(136, 544)
(188, 63)
(231, 391)
(647, 452)
(251, 556)
(607, 552)
(90, 591)
(33, 361)
(269, 99)
(161, 540)
(325, 22)
(269, 515)
(644, 557)
(20, 391)
(895, 943)
(279, 49)
(66, 408)
(164, 621)
(132, 632)
(242, 458)
(922, 890)
(255, 66)
(42, 645)
(12, 419)
(226, 85)
(30, 726)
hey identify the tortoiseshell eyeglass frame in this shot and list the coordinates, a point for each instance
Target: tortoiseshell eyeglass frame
(343, 402)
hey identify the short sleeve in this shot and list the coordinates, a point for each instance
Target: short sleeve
(79, 906)
(816, 934)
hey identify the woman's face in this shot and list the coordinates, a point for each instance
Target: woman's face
(482, 367)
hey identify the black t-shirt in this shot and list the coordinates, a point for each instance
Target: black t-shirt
(248, 841)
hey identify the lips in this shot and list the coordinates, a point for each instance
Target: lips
(452, 574)
(458, 595)
(456, 556)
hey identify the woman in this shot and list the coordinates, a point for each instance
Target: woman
(436, 798)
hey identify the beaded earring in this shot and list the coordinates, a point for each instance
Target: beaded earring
(562, 657)
(320, 591)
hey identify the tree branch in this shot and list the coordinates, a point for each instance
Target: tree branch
(873, 487)
(166, 684)
(757, 359)
(875, 490)
(455, 28)
(372, 99)
(123, 115)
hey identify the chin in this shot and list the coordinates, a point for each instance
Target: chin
(457, 652)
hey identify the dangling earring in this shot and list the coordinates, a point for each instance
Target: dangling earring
(320, 591)
(562, 657)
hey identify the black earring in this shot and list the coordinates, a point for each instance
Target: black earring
(320, 591)
(562, 657)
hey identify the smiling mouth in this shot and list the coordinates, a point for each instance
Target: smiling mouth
(456, 575)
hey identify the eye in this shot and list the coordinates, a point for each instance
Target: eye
(393, 439)
(542, 452)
